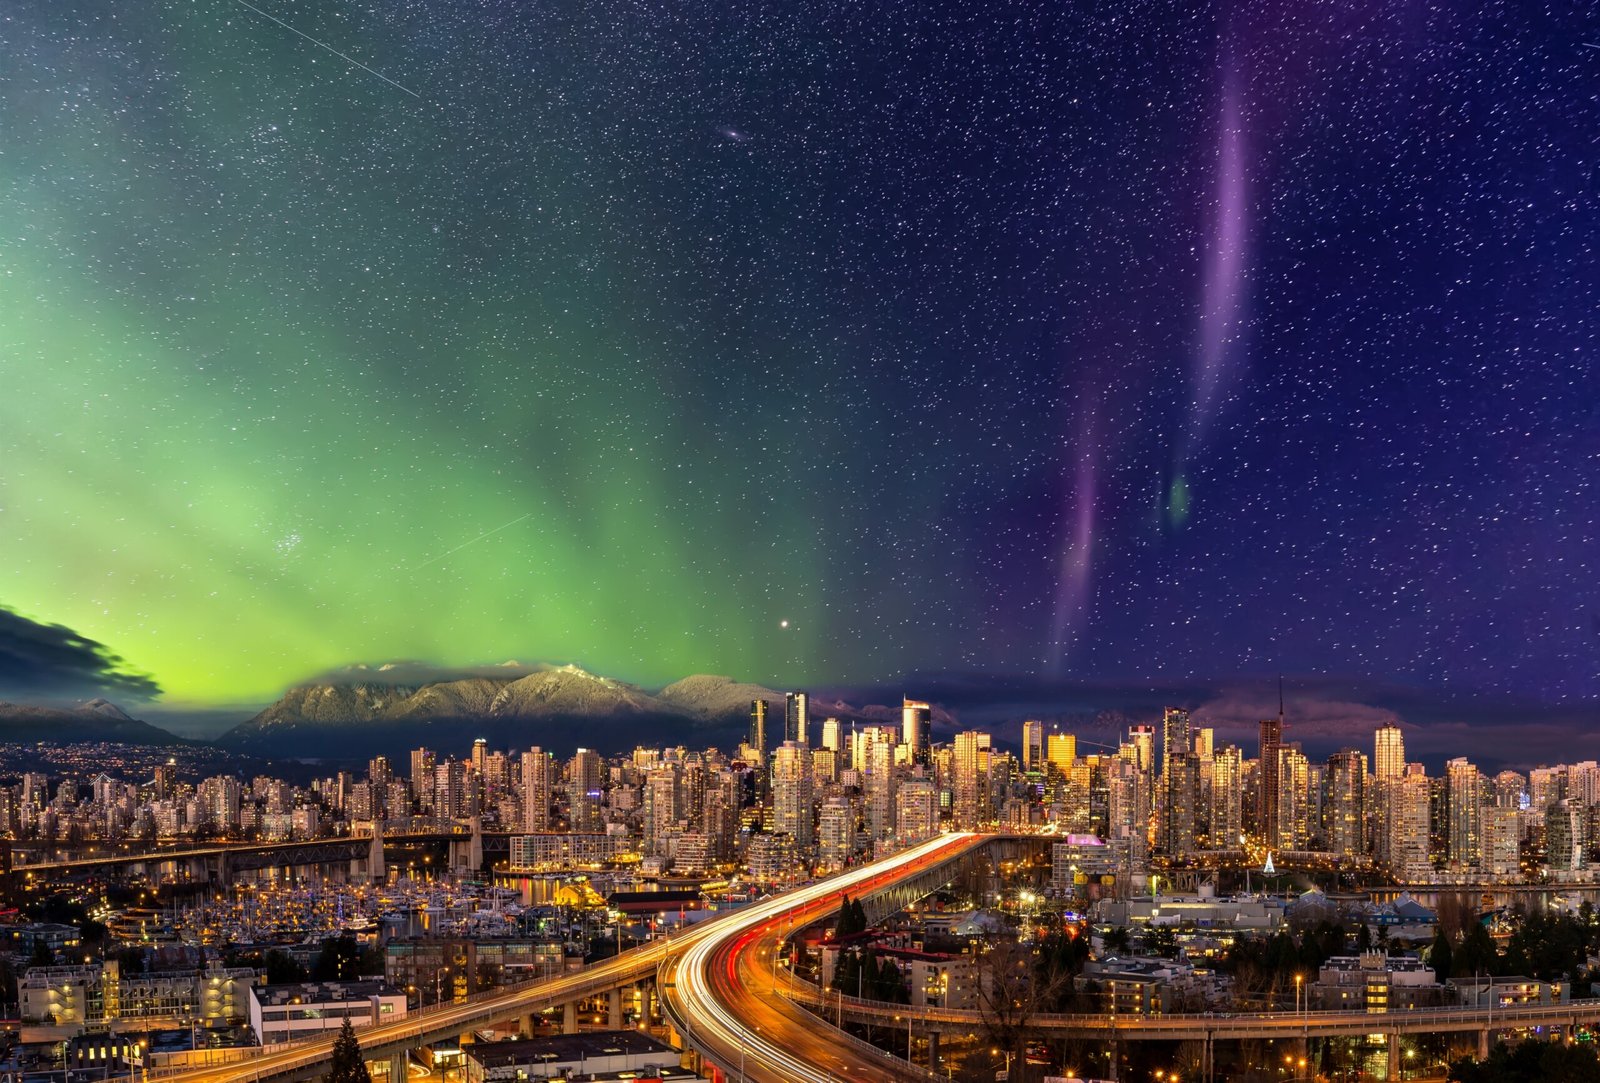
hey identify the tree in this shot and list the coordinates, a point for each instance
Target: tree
(1363, 939)
(340, 960)
(347, 1065)
(42, 955)
(283, 968)
(1012, 990)
(1531, 1062)
(852, 919)
(1478, 952)
(1441, 955)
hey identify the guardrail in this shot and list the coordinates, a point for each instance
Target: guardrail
(1459, 1018)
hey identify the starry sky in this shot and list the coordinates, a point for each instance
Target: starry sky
(806, 342)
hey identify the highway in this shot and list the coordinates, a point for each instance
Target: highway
(733, 933)
(723, 991)
(447, 1022)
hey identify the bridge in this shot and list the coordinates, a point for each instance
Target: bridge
(884, 886)
(719, 988)
(362, 856)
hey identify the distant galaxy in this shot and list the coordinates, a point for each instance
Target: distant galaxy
(1096, 342)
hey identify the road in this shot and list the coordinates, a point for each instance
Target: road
(446, 1022)
(724, 990)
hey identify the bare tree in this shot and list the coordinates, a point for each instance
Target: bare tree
(1012, 992)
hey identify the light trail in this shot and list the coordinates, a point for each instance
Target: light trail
(474, 541)
(331, 49)
(711, 1017)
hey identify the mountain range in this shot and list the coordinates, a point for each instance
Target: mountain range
(96, 720)
(361, 711)
(358, 712)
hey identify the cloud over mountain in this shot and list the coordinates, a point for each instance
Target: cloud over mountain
(53, 662)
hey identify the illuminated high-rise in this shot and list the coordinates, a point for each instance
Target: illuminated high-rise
(1388, 751)
(583, 790)
(1290, 822)
(792, 804)
(1463, 813)
(663, 800)
(758, 726)
(1176, 734)
(831, 737)
(1032, 745)
(1227, 790)
(536, 772)
(422, 764)
(1345, 803)
(1061, 749)
(795, 720)
(916, 729)
(1267, 808)
(973, 759)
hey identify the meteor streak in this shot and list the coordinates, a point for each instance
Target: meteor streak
(331, 49)
(473, 541)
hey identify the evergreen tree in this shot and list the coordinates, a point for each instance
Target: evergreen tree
(1478, 953)
(347, 1065)
(1441, 955)
(851, 920)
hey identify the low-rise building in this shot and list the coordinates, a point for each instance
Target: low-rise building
(1509, 991)
(530, 853)
(597, 1053)
(1140, 985)
(282, 1013)
(1374, 982)
(430, 969)
(99, 996)
(1201, 910)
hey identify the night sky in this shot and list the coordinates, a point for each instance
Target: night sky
(805, 342)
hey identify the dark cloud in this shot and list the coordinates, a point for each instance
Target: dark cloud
(52, 662)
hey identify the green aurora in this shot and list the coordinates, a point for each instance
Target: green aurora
(291, 382)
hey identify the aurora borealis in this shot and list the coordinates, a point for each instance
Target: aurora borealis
(1090, 340)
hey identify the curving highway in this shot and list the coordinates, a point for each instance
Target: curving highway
(725, 991)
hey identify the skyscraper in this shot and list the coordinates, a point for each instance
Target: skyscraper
(1267, 811)
(916, 729)
(422, 764)
(792, 804)
(795, 721)
(830, 735)
(1179, 782)
(1227, 788)
(1463, 812)
(1176, 735)
(663, 800)
(1033, 745)
(1061, 749)
(758, 725)
(973, 758)
(535, 790)
(1388, 751)
(583, 791)
(1345, 803)
(1143, 740)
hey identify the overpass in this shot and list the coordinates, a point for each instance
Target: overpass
(718, 986)
(883, 886)
(1218, 1026)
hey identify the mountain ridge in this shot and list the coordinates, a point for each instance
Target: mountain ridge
(355, 711)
